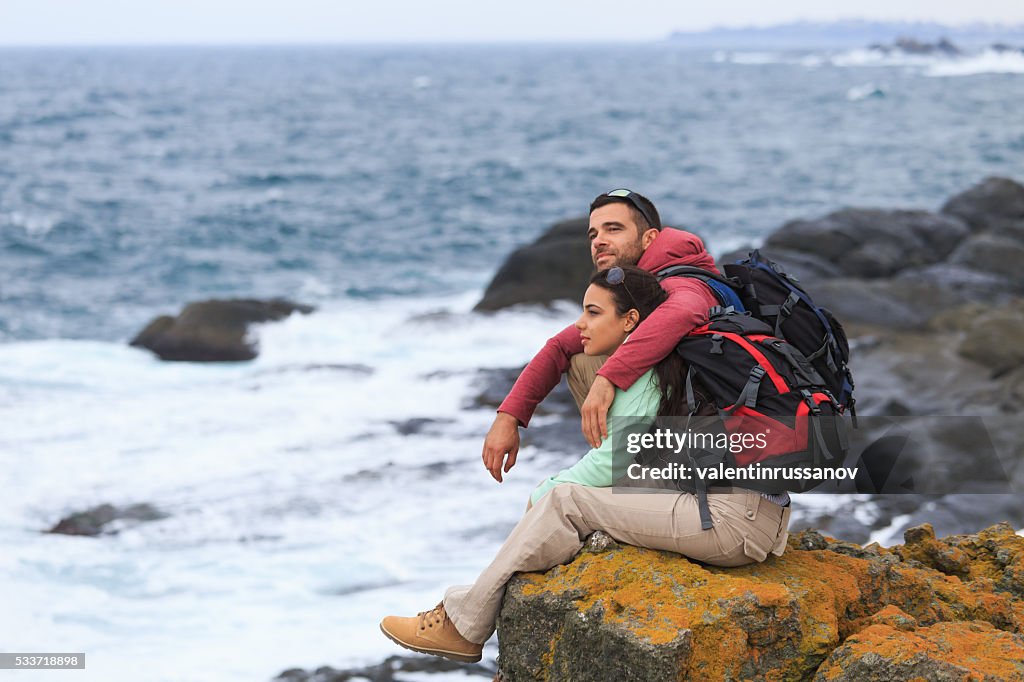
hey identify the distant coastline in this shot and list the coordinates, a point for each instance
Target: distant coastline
(845, 34)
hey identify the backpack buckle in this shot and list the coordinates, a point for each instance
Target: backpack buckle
(787, 308)
(809, 399)
(832, 399)
(716, 344)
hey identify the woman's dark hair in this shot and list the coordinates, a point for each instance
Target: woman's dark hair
(638, 289)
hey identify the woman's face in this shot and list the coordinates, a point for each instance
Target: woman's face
(601, 327)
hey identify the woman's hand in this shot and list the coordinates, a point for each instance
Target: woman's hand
(502, 439)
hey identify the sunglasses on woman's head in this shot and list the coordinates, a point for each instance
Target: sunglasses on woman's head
(616, 276)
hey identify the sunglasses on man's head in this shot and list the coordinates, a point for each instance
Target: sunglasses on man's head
(630, 196)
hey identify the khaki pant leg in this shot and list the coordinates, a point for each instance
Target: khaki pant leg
(552, 532)
(582, 372)
(749, 527)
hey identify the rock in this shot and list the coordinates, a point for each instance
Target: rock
(214, 330)
(98, 520)
(987, 334)
(993, 338)
(871, 243)
(822, 607)
(990, 253)
(912, 46)
(883, 302)
(393, 669)
(971, 650)
(920, 545)
(598, 542)
(961, 281)
(995, 204)
(555, 266)
(417, 426)
(894, 617)
(808, 268)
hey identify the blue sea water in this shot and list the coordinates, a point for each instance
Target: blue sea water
(384, 185)
(133, 180)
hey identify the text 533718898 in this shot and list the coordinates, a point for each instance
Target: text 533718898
(42, 661)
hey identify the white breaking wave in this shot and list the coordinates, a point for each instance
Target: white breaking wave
(761, 58)
(865, 91)
(298, 514)
(870, 57)
(937, 65)
(989, 61)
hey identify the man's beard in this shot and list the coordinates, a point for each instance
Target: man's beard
(630, 257)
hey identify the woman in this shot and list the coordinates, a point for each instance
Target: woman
(579, 500)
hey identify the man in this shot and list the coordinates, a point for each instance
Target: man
(624, 229)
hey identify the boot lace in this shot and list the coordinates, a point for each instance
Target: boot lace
(434, 616)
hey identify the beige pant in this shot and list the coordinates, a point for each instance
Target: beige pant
(581, 375)
(746, 529)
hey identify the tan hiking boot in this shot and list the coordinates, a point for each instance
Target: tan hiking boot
(431, 632)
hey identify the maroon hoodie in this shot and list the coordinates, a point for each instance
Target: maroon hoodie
(685, 309)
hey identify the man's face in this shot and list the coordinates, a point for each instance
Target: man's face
(614, 237)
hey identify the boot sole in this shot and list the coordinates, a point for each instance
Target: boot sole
(444, 653)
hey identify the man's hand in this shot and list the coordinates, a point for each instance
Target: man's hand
(595, 411)
(502, 439)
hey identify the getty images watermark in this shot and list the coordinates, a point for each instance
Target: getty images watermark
(819, 454)
(675, 443)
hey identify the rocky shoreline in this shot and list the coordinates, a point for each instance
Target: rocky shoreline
(826, 610)
(934, 305)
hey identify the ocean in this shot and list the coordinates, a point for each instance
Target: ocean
(383, 185)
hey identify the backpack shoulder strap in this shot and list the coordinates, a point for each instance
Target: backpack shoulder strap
(724, 288)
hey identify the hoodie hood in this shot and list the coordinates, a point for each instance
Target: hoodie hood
(676, 247)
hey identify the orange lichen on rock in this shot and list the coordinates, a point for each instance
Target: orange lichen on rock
(966, 650)
(781, 619)
(894, 617)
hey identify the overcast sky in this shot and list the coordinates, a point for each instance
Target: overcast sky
(35, 22)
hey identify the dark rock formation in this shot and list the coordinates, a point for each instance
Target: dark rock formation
(901, 268)
(871, 243)
(996, 204)
(417, 426)
(912, 46)
(1003, 48)
(824, 610)
(988, 335)
(391, 670)
(555, 266)
(214, 330)
(101, 519)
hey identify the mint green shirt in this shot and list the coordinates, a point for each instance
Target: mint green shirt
(595, 468)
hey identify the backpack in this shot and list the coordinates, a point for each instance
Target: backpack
(774, 367)
(761, 288)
